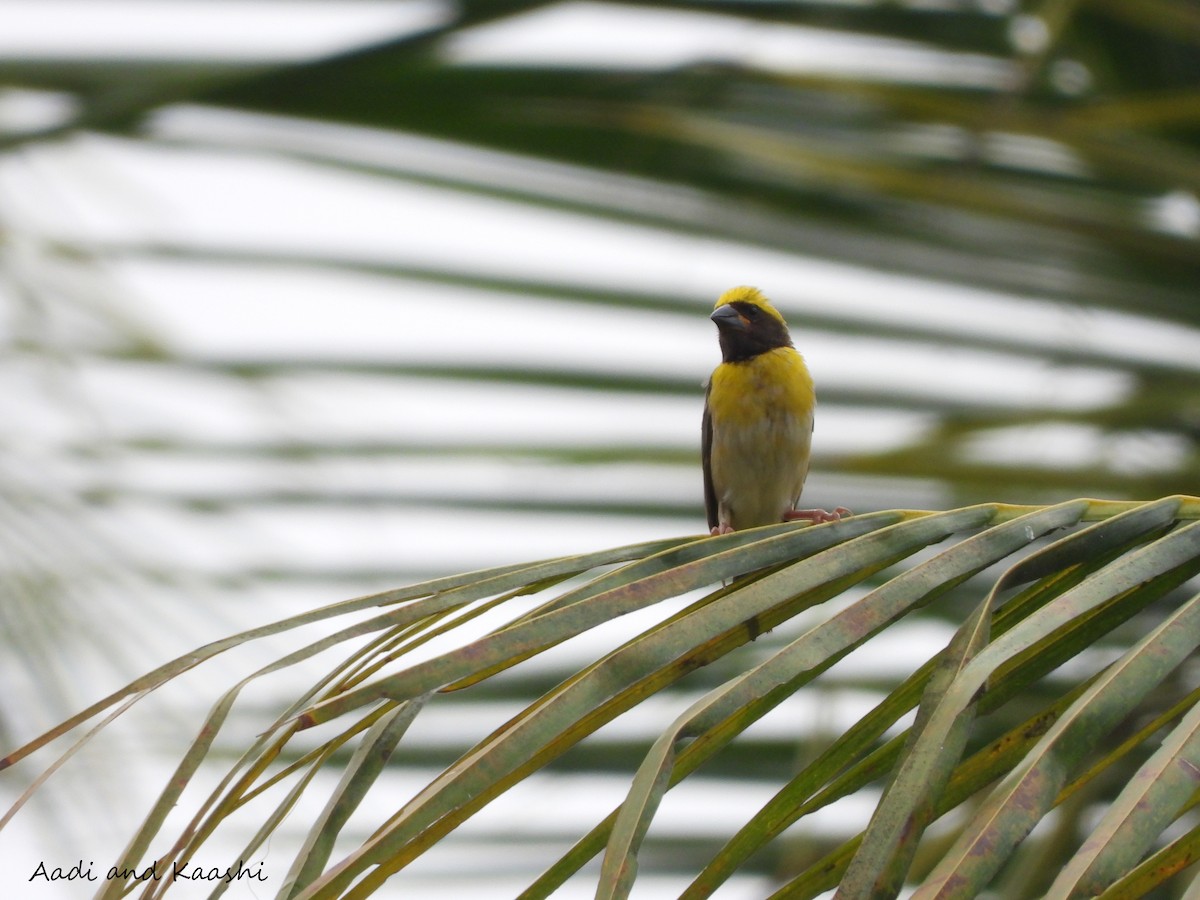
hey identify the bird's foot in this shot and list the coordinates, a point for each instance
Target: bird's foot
(723, 528)
(816, 516)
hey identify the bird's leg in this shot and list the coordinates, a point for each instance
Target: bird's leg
(723, 528)
(816, 516)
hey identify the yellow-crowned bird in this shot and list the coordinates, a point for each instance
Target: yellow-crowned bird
(758, 419)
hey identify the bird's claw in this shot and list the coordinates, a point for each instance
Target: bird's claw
(813, 516)
(816, 516)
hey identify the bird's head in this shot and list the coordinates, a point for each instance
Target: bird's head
(747, 324)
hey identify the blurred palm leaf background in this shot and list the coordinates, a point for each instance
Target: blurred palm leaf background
(307, 300)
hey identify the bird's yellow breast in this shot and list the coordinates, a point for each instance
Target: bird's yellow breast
(770, 384)
(762, 413)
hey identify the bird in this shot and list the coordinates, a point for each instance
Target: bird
(756, 433)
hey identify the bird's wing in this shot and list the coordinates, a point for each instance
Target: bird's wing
(706, 439)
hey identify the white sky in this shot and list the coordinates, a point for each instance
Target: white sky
(589, 34)
(570, 33)
(175, 30)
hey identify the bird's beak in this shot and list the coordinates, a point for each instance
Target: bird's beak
(728, 317)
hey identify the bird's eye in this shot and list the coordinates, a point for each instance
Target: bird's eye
(752, 312)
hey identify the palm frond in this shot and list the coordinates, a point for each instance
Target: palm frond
(997, 714)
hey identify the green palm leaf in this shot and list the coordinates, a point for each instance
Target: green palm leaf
(1042, 609)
